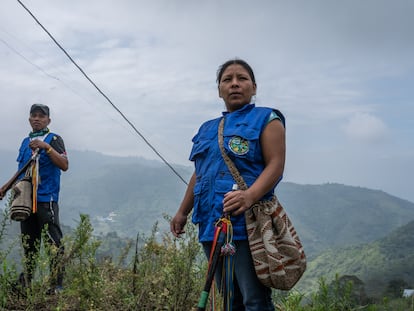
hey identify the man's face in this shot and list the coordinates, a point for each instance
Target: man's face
(38, 120)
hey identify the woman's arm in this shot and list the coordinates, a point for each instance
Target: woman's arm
(273, 145)
(180, 219)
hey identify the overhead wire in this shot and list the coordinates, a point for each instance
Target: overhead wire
(103, 94)
(15, 51)
(54, 77)
(27, 60)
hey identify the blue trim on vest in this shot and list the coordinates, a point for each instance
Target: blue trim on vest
(49, 186)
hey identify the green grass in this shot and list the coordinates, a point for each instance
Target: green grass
(150, 273)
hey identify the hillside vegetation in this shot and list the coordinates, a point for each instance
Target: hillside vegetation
(363, 234)
(158, 274)
(128, 195)
(377, 264)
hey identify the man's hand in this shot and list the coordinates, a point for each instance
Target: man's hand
(38, 144)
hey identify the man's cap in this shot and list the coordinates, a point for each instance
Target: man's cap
(40, 107)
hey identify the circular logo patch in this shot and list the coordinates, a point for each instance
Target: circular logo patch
(239, 145)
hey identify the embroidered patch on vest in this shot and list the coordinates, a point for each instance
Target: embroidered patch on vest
(239, 145)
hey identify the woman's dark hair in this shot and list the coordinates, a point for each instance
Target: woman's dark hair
(235, 61)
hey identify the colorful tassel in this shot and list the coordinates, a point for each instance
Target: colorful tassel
(35, 182)
(227, 251)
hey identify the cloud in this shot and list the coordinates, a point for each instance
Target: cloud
(366, 128)
(322, 63)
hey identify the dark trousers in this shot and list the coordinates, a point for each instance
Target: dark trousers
(249, 293)
(47, 215)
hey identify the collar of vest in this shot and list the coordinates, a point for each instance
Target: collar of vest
(243, 109)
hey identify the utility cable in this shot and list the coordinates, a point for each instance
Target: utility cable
(14, 50)
(27, 60)
(103, 94)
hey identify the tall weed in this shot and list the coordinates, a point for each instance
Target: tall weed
(157, 272)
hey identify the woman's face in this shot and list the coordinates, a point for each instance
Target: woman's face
(236, 87)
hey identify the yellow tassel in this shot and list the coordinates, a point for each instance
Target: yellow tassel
(35, 180)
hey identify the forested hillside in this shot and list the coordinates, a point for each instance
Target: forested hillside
(335, 215)
(128, 195)
(378, 264)
(345, 230)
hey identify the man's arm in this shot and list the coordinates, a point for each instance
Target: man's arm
(55, 150)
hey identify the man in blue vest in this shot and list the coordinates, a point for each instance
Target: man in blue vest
(45, 173)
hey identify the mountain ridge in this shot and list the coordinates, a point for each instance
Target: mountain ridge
(344, 229)
(128, 195)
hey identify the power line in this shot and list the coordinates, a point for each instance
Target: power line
(27, 60)
(14, 50)
(74, 91)
(103, 94)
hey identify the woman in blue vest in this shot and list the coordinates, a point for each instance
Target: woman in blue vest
(51, 161)
(254, 138)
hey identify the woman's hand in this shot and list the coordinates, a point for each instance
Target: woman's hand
(272, 141)
(177, 224)
(237, 202)
(180, 219)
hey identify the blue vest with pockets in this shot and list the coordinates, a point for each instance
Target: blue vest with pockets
(49, 174)
(242, 130)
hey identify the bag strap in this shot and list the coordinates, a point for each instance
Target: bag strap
(230, 164)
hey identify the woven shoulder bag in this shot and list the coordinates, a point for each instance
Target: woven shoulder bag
(278, 255)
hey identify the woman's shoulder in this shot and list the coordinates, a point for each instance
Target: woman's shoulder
(211, 123)
(207, 129)
(266, 109)
(272, 112)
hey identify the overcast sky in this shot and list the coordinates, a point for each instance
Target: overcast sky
(342, 72)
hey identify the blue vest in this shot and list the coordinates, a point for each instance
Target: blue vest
(242, 130)
(49, 182)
